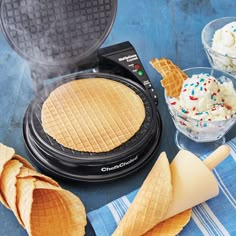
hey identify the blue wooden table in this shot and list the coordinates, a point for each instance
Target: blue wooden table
(164, 28)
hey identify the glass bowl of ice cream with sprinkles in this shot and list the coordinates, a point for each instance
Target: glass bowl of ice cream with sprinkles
(205, 109)
(219, 41)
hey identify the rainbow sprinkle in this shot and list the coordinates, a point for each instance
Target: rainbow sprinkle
(184, 111)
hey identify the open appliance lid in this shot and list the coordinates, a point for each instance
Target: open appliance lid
(59, 32)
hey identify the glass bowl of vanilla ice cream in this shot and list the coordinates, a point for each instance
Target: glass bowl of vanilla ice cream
(205, 110)
(219, 41)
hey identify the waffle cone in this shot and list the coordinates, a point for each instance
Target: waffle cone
(41, 206)
(171, 226)
(49, 210)
(26, 172)
(50, 202)
(24, 199)
(172, 75)
(92, 114)
(8, 185)
(23, 161)
(151, 202)
(163, 66)
(192, 183)
(173, 82)
(6, 154)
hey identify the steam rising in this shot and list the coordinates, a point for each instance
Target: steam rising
(56, 31)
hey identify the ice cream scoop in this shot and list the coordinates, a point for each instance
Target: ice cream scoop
(203, 97)
(205, 110)
(224, 40)
(219, 41)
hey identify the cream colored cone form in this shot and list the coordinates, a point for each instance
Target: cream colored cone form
(192, 183)
(151, 202)
(192, 180)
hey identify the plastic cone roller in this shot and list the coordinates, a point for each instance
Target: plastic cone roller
(192, 179)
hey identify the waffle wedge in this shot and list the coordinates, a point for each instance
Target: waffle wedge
(172, 75)
(163, 65)
(173, 82)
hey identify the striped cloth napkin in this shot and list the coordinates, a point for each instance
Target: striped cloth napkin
(217, 216)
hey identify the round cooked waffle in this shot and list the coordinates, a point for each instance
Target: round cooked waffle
(92, 114)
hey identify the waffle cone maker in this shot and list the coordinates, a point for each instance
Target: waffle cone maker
(61, 40)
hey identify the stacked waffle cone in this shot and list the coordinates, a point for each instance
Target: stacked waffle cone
(40, 205)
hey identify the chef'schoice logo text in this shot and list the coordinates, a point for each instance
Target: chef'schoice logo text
(122, 164)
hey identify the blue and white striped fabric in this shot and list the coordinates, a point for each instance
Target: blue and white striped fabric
(217, 216)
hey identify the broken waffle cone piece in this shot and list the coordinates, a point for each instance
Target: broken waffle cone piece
(163, 66)
(172, 75)
(172, 82)
(217, 157)
(171, 226)
(151, 202)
